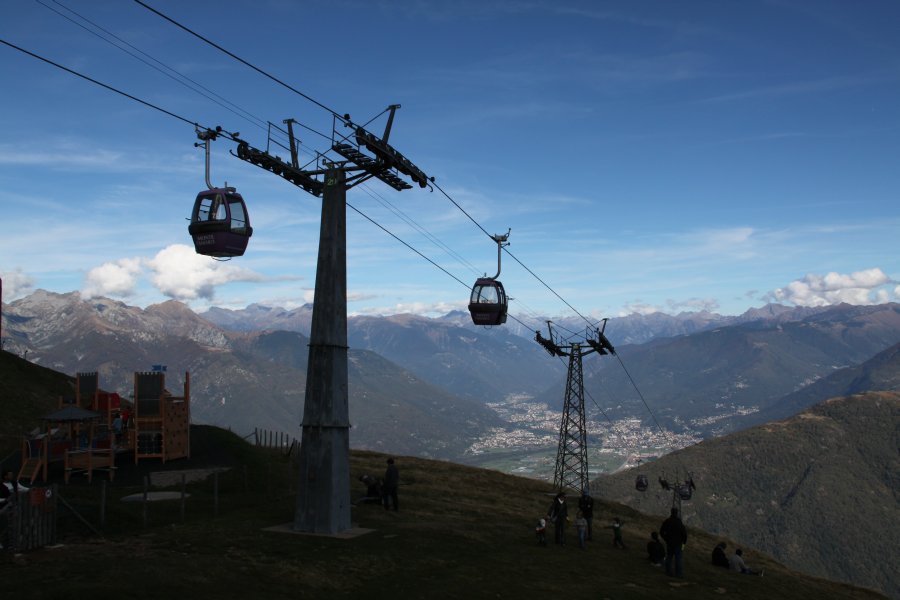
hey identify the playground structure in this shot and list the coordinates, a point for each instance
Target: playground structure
(90, 429)
(162, 422)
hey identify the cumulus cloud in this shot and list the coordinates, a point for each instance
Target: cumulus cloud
(861, 287)
(118, 279)
(16, 284)
(182, 274)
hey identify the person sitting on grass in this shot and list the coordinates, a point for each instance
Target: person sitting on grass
(718, 556)
(739, 566)
(656, 552)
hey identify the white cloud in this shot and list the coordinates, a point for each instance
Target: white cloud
(117, 279)
(861, 287)
(182, 274)
(693, 305)
(16, 284)
(436, 309)
(639, 308)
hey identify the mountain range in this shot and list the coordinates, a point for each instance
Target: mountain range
(427, 383)
(238, 380)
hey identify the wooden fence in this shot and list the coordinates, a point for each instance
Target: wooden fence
(280, 440)
(30, 522)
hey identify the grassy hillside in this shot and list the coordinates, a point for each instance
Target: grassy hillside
(27, 392)
(462, 532)
(819, 491)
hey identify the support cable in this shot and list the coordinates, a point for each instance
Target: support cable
(341, 117)
(477, 224)
(333, 112)
(101, 84)
(237, 110)
(239, 59)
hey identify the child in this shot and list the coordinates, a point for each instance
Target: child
(617, 533)
(541, 532)
(581, 526)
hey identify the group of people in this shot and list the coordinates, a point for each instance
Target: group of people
(383, 491)
(558, 516)
(734, 563)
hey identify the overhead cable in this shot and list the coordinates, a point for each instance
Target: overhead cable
(238, 58)
(101, 84)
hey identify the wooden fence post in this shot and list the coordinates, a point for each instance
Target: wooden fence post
(102, 504)
(183, 482)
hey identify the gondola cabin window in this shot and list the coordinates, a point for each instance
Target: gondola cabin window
(211, 208)
(238, 218)
(485, 294)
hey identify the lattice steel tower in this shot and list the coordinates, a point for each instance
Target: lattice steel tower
(571, 456)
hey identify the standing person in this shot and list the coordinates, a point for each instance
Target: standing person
(7, 488)
(656, 553)
(586, 506)
(718, 556)
(559, 514)
(9, 495)
(617, 533)
(581, 526)
(389, 489)
(675, 536)
(117, 426)
(541, 532)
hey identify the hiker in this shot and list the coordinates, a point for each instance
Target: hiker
(674, 534)
(738, 565)
(117, 426)
(718, 556)
(541, 532)
(617, 533)
(558, 514)
(9, 493)
(373, 490)
(9, 487)
(389, 490)
(581, 526)
(586, 506)
(656, 553)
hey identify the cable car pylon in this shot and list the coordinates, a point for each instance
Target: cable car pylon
(571, 471)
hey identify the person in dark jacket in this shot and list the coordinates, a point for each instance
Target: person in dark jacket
(586, 506)
(675, 536)
(389, 488)
(656, 553)
(718, 556)
(558, 514)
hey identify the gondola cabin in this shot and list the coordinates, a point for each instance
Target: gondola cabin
(220, 224)
(641, 483)
(488, 302)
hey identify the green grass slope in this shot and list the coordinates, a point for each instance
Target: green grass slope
(27, 392)
(462, 532)
(819, 491)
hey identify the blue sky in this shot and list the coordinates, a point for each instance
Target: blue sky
(646, 155)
